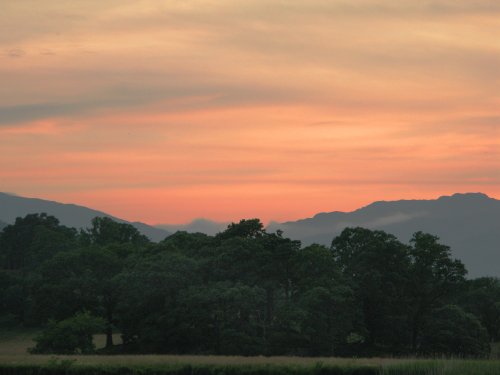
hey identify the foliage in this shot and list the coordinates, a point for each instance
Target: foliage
(454, 332)
(32, 239)
(244, 291)
(434, 279)
(69, 336)
(376, 266)
(106, 231)
(481, 297)
(251, 228)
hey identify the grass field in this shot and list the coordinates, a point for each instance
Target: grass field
(14, 344)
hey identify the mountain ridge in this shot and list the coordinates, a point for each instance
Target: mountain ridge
(467, 222)
(69, 214)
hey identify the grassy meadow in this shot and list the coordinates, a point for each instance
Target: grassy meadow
(14, 345)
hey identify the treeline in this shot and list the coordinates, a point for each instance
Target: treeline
(243, 291)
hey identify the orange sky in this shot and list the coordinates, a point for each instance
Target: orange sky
(166, 111)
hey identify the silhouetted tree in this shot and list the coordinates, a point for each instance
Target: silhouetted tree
(434, 278)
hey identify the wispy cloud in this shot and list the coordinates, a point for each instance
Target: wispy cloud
(15, 52)
(284, 107)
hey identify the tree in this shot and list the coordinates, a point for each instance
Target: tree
(224, 318)
(435, 277)
(106, 231)
(70, 336)
(453, 332)
(24, 246)
(314, 266)
(327, 319)
(247, 253)
(375, 265)
(150, 290)
(80, 280)
(325, 301)
(250, 228)
(13, 304)
(481, 297)
(32, 240)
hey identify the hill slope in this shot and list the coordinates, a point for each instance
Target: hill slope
(71, 215)
(468, 223)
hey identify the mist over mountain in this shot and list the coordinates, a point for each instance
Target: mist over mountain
(468, 223)
(71, 215)
(198, 225)
(2, 225)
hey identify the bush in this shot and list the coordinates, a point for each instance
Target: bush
(453, 332)
(69, 336)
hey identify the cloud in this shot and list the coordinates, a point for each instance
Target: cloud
(15, 52)
(246, 53)
(289, 106)
(47, 52)
(10, 115)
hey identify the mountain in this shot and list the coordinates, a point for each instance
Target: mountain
(12, 206)
(197, 226)
(468, 223)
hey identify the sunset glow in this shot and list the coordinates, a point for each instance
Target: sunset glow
(166, 111)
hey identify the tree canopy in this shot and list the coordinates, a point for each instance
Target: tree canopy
(244, 291)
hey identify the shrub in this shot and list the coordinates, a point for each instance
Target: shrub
(69, 336)
(453, 332)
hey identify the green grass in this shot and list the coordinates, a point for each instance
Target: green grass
(69, 368)
(495, 350)
(14, 360)
(443, 367)
(16, 341)
(14, 345)
(440, 367)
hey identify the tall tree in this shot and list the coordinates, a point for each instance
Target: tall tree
(376, 266)
(454, 332)
(434, 278)
(77, 281)
(106, 231)
(481, 297)
(33, 239)
(150, 290)
(246, 228)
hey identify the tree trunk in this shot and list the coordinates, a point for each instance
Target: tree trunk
(109, 328)
(109, 336)
(415, 331)
(270, 305)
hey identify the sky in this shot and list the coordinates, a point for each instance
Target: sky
(166, 111)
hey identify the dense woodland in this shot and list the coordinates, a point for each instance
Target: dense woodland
(243, 291)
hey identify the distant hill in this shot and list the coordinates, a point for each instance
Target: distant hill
(468, 223)
(2, 225)
(197, 226)
(12, 206)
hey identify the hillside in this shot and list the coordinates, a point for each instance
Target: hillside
(468, 223)
(71, 215)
